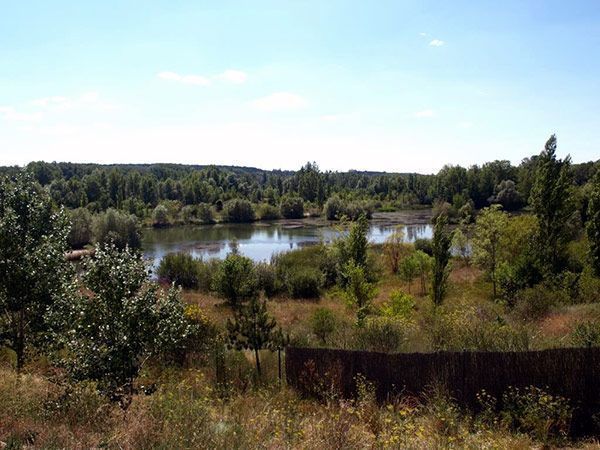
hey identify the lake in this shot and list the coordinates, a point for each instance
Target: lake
(260, 240)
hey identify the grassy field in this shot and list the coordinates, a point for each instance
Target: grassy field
(190, 409)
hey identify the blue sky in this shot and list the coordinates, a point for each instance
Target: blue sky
(381, 85)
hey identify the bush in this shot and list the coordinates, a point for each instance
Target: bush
(117, 227)
(334, 208)
(160, 217)
(267, 279)
(424, 245)
(381, 334)
(534, 411)
(535, 303)
(268, 212)
(292, 207)
(201, 213)
(586, 334)
(181, 269)
(238, 211)
(235, 279)
(400, 305)
(355, 209)
(81, 228)
(304, 282)
(313, 257)
(323, 323)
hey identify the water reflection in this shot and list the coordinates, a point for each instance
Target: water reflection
(257, 241)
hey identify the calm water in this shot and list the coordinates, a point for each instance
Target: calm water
(258, 241)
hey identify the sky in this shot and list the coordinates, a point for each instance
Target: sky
(397, 86)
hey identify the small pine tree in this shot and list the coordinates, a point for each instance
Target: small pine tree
(441, 243)
(252, 329)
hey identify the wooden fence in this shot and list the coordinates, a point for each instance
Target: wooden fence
(571, 372)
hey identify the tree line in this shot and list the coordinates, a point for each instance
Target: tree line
(139, 189)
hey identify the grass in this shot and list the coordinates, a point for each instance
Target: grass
(40, 409)
(187, 412)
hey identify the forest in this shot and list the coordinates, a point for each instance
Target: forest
(98, 353)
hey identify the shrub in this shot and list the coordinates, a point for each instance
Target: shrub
(160, 217)
(586, 334)
(381, 334)
(201, 213)
(304, 282)
(238, 211)
(235, 279)
(535, 411)
(80, 233)
(268, 212)
(205, 213)
(355, 209)
(266, 278)
(117, 227)
(181, 269)
(314, 257)
(400, 305)
(334, 208)
(323, 324)
(292, 207)
(424, 245)
(534, 303)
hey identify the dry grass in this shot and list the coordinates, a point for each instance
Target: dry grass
(187, 413)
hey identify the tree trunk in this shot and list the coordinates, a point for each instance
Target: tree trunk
(20, 341)
(258, 369)
(279, 364)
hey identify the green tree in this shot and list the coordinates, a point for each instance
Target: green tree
(395, 249)
(323, 323)
(292, 207)
(359, 293)
(353, 248)
(238, 211)
(460, 243)
(118, 321)
(488, 241)
(181, 269)
(593, 224)
(160, 216)
(119, 228)
(409, 269)
(441, 243)
(550, 199)
(236, 280)
(423, 261)
(81, 232)
(252, 329)
(33, 269)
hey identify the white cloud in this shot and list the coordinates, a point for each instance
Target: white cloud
(426, 113)
(423, 34)
(88, 100)
(465, 125)
(233, 76)
(185, 79)
(280, 101)
(436, 43)
(9, 113)
(47, 101)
